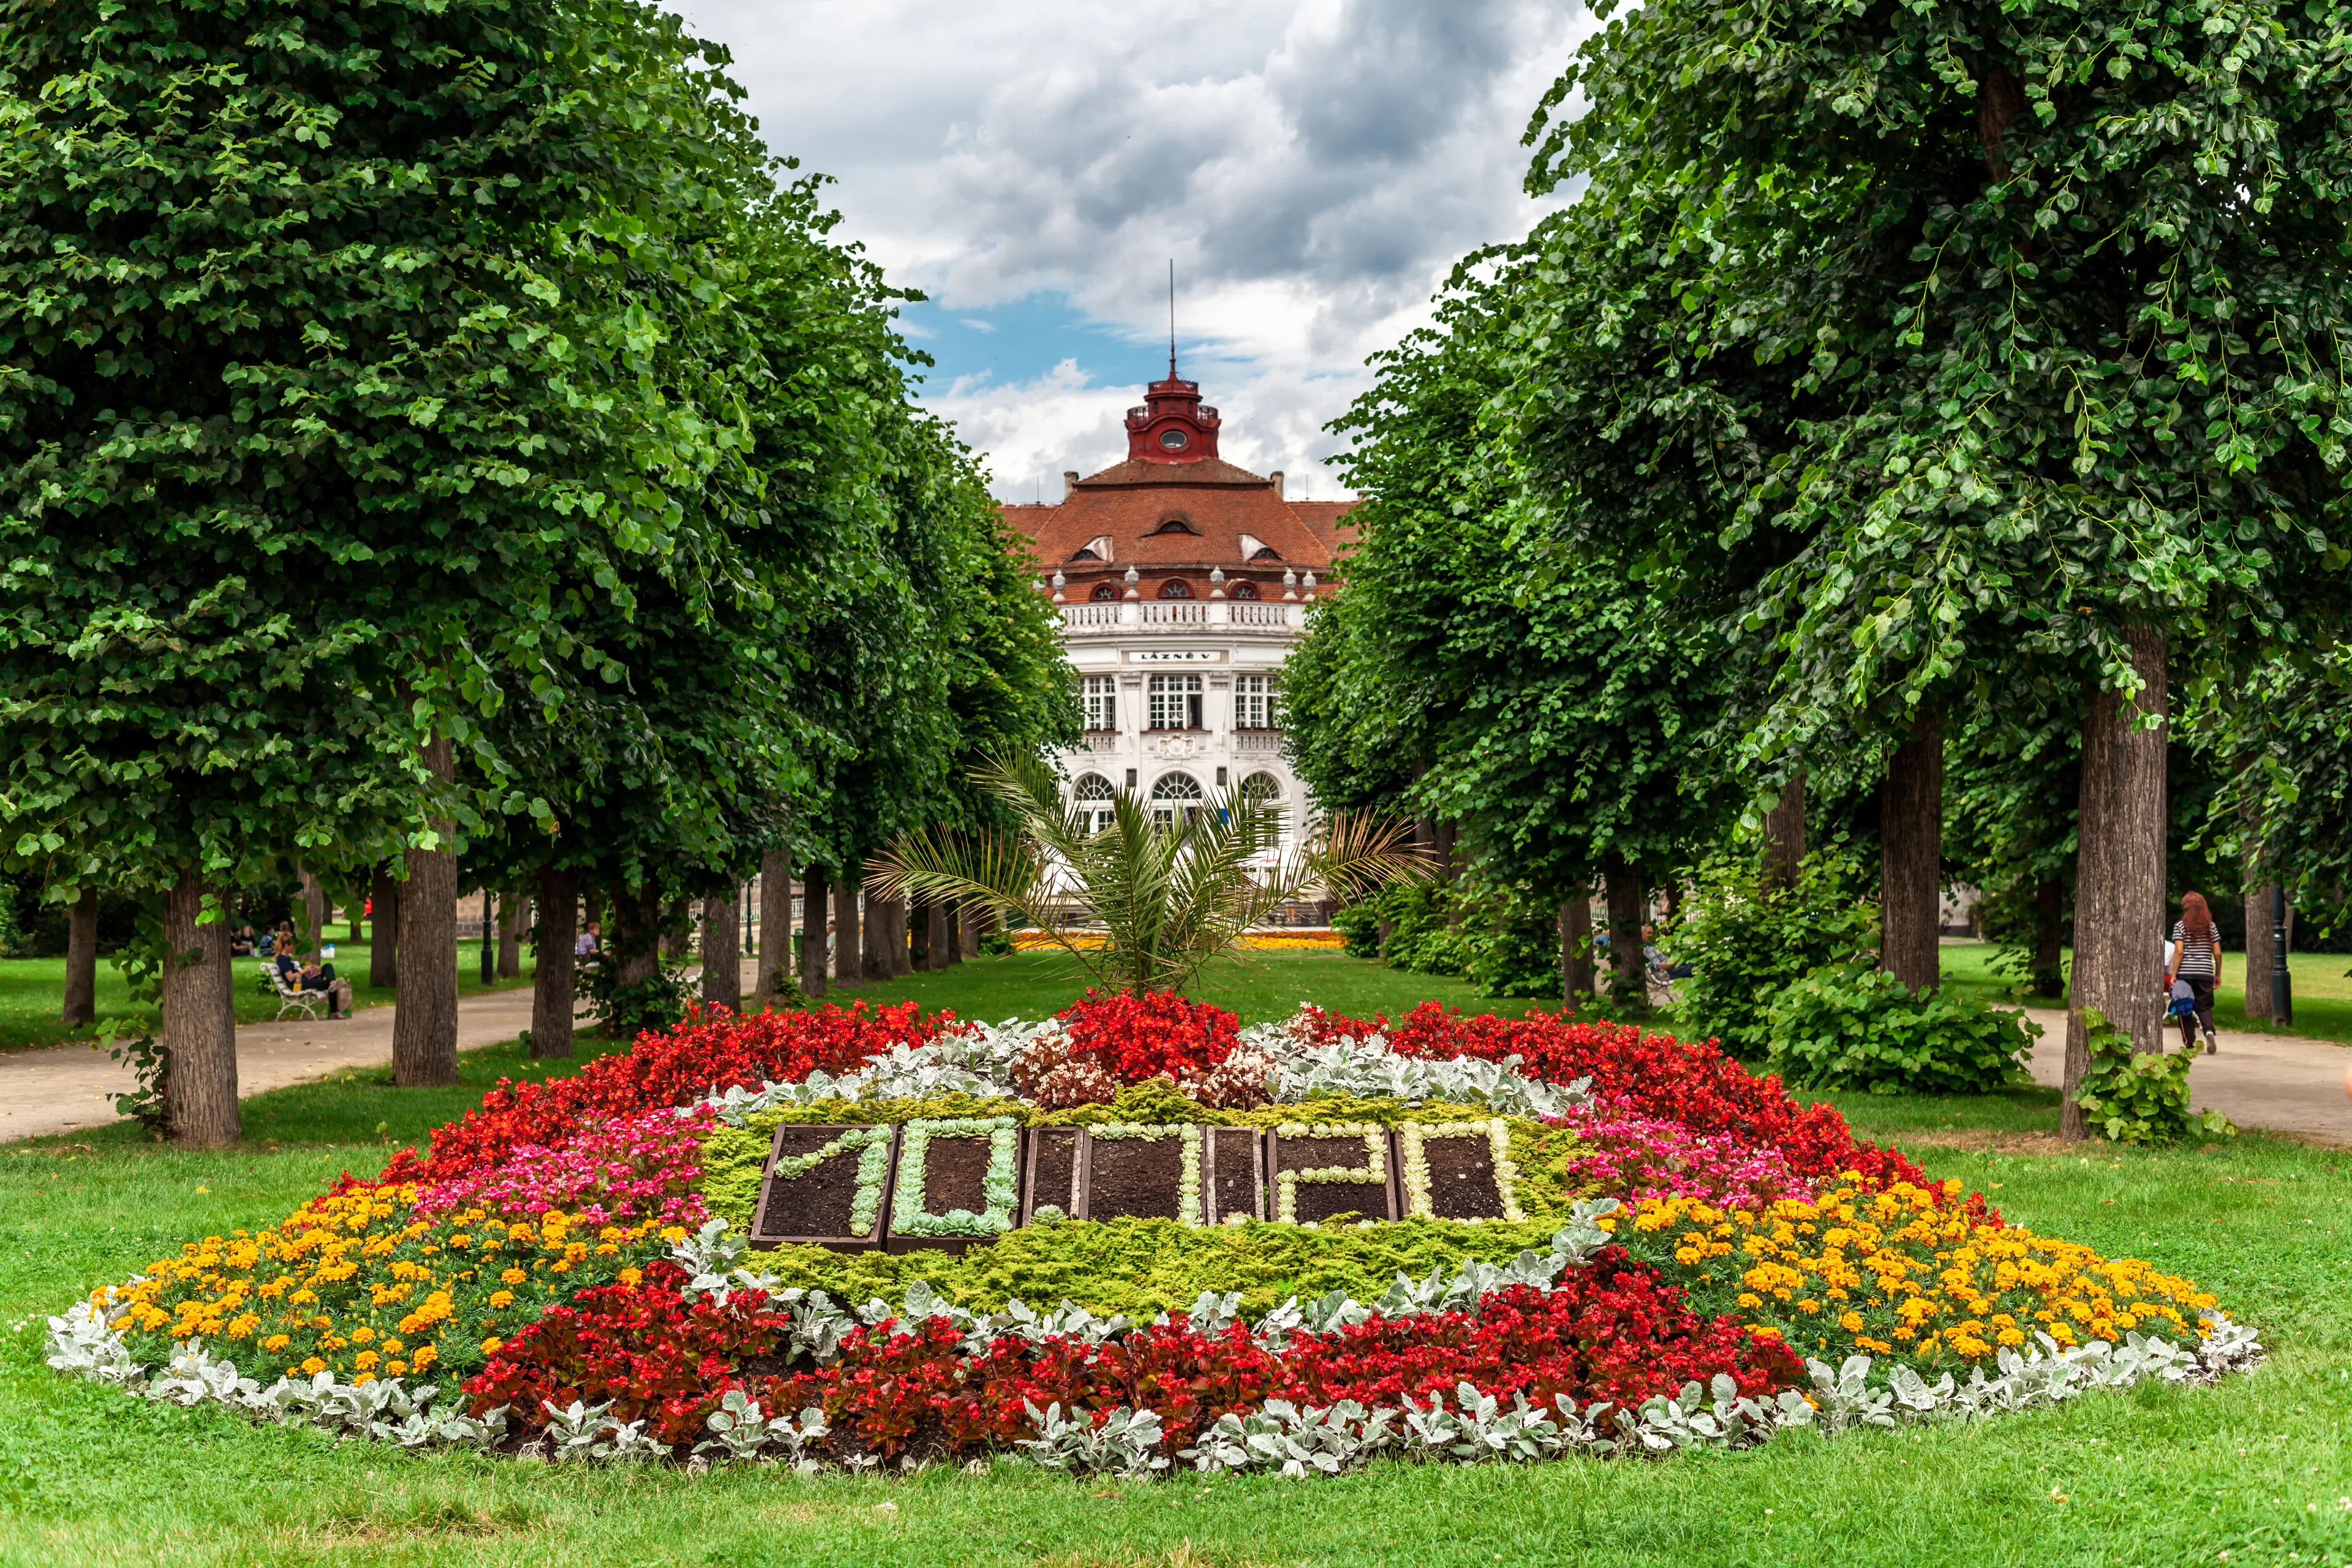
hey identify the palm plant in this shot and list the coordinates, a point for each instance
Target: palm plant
(1169, 896)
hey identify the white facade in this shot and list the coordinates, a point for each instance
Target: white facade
(1182, 699)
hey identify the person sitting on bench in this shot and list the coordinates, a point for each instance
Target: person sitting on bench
(316, 976)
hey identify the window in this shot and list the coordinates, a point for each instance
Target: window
(1177, 796)
(1175, 588)
(1102, 706)
(1265, 553)
(1244, 590)
(1174, 440)
(1176, 525)
(1176, 702)
(1084, 553)
(1094, 798)
(1262, 788)
(1257, 703)
(1105, 591)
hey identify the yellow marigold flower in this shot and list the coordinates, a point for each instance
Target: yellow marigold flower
(490, 1346)
(313, 1366)
(275, 1342)
(425, 1356)
(511, 1277)
(1850, 1321)
(632, 1276)
(366, 1360)
(501, 1299)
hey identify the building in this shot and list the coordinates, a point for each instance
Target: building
(1182, 583)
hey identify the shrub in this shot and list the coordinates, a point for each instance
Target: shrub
(2136, 1097)
(657, 1002)
(1359, 926)
(1863, 1028)
(1748, 942)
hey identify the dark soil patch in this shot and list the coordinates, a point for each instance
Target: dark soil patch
(1234, 1185)
(1462, 1183)
(1135, 1178)
(816, 1202)
(955, 1174)
(1054, 1169)
(1322, 1201)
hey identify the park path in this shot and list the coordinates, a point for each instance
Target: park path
(67, 1089)
(2276, 1082)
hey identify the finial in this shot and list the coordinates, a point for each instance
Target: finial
(1060, 582)
(1216, 582)
(1133, 577)
(1290, 583)
(1310, 584)
(1171, 318)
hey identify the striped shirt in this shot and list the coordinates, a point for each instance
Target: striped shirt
(2196, 957)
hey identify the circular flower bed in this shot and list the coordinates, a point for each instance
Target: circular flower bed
(1132, 1238)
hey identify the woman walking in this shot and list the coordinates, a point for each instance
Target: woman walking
(2196, 960)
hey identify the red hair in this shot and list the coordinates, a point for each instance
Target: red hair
(2195, 920)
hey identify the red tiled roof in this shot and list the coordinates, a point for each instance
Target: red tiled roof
(1132, 501)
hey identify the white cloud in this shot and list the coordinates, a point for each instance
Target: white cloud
(1314, 167)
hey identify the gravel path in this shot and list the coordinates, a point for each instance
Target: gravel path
(2276, 1082)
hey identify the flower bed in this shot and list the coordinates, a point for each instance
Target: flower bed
(1609, 1241)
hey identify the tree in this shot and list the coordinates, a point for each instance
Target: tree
(2015, 328)
(1550, 705)
(374, 288)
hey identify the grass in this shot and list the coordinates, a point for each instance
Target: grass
(1259, 986)
(2323, 989)
(2254, 1467)
(33, 992)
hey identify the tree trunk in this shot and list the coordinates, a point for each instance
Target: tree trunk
(974, 921)
(383, 958)
(2049, 937)
(902, 954)
(352, 911)
(516, 920)
(813, 942)
(1784, 834)
(722, 953)
(935, 936)
(848, 953)
(199, 1022)
(676, 927)
(1629, 984)
(1576, 981)
(555, 973)
(425, 1020)
(2119, 876)
(2258, 957)
(776, 931)
(314, 910)
(81, 960)
(1911, 856)
(955, 917)
(636, 935)
(874, 952)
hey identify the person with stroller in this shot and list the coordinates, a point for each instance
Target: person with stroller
(2194, 968)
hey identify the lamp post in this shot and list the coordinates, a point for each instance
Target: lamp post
(2282, 984)
(490, 941)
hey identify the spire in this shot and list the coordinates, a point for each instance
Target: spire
(1171, 318)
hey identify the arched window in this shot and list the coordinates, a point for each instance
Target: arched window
(1175, 588)
(1092, 800)
(1083, 553)
(1105, 591)
(1176, 797)
(1265, 553)
(1264, 788)
(1244, 590)
(1176, 523)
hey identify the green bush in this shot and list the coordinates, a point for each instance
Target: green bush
(1863, 1028)
(1520, 955)
(1360, 926)
(2136, 1097)
(657, 1002)
(1748, 943)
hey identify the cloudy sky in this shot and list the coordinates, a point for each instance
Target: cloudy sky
(1314, 167)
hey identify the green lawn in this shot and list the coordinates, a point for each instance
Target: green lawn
(2323, 989)
(1259, 986)
(33, 992)
(2255, 1468)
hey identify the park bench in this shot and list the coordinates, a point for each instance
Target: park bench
(290, 996)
